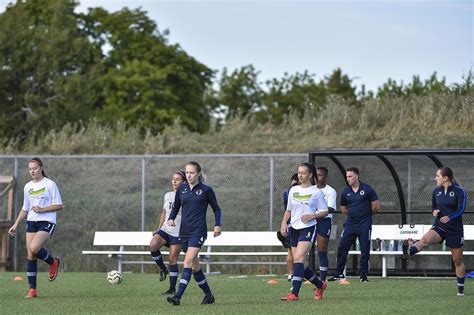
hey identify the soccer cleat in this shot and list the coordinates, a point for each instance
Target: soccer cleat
(163, 274)
(290, 297)
(31, 293)
(363, 278)
(320, 291)
(337, 277)
(208, 299)
(54, 269)
(460, 294)
(170, 291)
(173, 300)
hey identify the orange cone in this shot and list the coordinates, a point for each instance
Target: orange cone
(272, 281)
(307, 282)
(18, 278)
(344, 281)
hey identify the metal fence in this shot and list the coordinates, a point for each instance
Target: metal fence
(115, 192)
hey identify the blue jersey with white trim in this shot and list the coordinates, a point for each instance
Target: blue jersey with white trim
(193, 204)
(359, 203)
(451, 203)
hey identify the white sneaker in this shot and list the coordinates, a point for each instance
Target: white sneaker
(460, 294)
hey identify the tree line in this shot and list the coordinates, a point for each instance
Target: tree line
(59, 67)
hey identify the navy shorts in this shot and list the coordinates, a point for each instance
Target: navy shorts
(323, 227)
(193, 241)
(304, 235)
(170, 239)
(37, 226)
(453, 240)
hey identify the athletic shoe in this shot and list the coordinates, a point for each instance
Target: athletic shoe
(208, 299)
(363, 278)
(173, 300)
(460, 294)
(54, 269)
(406, 247)
(290, 277)
(170, 291)
(31, 293)
(320, 291)
(290, 297)
(163, 274)
(337, 277)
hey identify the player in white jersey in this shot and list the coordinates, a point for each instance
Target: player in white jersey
(167, 235)
(324, 225)
(306, 204)
(40, 203)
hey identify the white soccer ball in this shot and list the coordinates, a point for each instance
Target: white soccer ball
(114, 277)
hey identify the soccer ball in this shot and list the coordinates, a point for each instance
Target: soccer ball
(114, 277)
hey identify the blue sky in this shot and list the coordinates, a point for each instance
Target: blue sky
(370, 40)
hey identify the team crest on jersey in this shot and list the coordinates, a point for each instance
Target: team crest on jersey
(199, 192)
(362, 192)
(451, 194)
(37, 193)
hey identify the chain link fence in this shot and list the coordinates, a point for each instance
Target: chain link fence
(125, 193)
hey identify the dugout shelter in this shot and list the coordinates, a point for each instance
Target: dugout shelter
(404, 181)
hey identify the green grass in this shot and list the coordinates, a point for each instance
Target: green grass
(141, 294)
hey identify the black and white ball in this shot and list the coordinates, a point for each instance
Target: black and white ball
(114, 277)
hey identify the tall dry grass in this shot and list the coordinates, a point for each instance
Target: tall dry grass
(437, 121)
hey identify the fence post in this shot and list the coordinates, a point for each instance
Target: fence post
(272, 169)
(142, 225)
(15, 214)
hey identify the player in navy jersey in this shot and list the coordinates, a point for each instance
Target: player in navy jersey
(284, 239)
(324, 225)
(40, 203)
(359, 202)
(306, 204)
(448, 204)
(193, 198)
(168, 236)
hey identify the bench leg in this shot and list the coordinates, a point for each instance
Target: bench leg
(119, 261)
(384, 266)
(208, 265)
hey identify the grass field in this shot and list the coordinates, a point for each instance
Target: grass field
(90, 293)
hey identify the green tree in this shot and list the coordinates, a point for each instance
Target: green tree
(149, 83)
(239, 92)
(45, 67)
(340, 84)
(295, 92)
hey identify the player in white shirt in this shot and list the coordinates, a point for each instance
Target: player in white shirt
(40, 203)
(306, 204)
(323, 230)
(167, 235)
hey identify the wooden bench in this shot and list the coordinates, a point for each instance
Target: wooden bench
(393, 233)
(227, 239)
